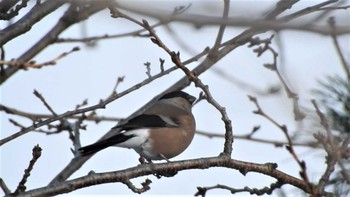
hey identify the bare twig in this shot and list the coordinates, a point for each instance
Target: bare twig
(33, 64)
(335, 151)
(298, 114)
(84, 103)
(114, 90)
(76, 133)
(161, 168)
(323, 120)
(148, 69)
(289, 147)
(346, 66)
(64, 124)
(335, 8)
(36, 117)
(266, 190)
(330, 160)
(36, 154)
(103, 37)
(249, 137)
(307, 10)
(42, 99)
(161, 61)
(221, 28)
(17, 124)
(145, 186)
(4, 187)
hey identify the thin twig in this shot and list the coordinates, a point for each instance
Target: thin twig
(298, 114)
(76, 140)
(114, 90)
(248, 137)
(42, 99)
(307, 10)
(335, 151)
(36, 117)
(330, 160)
(33, 64)
(221, 28)
(266, 190)
(145, 186)
(36, 154)
(289, 147)
(64, 123)
(346, 66)
(161, 61)
(17, 124)
(336, 8)
(323, 120)
(148, 69)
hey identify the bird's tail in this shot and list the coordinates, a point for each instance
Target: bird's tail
(100, 145)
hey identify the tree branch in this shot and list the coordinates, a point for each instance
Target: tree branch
(289, 147)
(345, 65)
(266, 190)
(164, 169)
(36, 154)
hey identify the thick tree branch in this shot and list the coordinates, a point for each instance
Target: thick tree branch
(166, 169)
(38, 12)
(5, 5)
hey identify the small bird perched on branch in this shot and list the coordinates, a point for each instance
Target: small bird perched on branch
(163, 131)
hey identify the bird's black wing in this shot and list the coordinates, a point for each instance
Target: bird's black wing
(148, 121)
(93, 148)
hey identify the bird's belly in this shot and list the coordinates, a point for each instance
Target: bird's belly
(147, 152)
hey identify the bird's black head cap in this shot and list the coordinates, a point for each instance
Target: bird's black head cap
(181, 94)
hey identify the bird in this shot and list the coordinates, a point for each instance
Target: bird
(164, 130)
